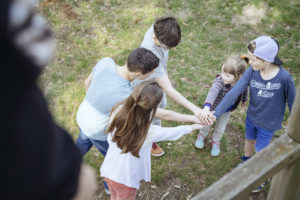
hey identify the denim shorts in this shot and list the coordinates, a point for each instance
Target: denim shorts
(262, 136)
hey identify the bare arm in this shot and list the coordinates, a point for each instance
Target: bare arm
(88, 81)
(170, 115)
(87, 184)
(166, 85)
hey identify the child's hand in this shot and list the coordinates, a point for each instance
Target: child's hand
(205, 112)
(211, 117)
(204, 115)
(198, 114)
(205, 120)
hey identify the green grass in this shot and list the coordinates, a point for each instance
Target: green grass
(87, 31)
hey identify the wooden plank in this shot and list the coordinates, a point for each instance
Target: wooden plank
(286, 183)
(243, 179)
(293, 127)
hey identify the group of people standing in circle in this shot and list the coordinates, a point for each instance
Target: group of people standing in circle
(122, 111)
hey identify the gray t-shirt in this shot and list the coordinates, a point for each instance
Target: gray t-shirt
(106, 90)
(160, 52)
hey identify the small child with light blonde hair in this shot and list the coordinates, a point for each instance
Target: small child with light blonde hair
(231, 72)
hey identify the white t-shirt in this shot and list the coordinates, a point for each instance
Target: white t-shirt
(129, 170)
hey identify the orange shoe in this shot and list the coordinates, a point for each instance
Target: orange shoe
(157, 150)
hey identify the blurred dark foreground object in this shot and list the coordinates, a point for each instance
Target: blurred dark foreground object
(38, 159)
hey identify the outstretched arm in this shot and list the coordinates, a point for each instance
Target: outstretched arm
(234, 93)
(170, 115)
(172, 133)
(165, 83)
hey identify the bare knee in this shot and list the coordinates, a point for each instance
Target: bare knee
(250, 141)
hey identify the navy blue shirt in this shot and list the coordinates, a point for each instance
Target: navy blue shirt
(267, 98)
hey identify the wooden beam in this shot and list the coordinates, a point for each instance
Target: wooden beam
(243, 179)
(286, 183)
(294, 126)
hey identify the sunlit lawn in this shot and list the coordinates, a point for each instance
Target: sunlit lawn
(87, 31)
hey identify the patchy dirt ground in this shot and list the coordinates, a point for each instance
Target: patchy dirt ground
(251, 14)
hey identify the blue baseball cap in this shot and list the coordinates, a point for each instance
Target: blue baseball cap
(267, 49)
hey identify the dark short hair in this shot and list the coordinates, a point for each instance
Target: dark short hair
(167, 31)
(142, 60)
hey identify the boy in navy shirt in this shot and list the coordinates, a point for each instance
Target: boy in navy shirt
(270, 87)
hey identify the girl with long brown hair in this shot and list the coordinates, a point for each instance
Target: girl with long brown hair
(130, 138)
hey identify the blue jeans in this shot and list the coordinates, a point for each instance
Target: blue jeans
(84, 143)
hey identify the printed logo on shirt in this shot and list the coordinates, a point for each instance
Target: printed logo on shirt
(268, 86)
(264, 89)
(265, 94)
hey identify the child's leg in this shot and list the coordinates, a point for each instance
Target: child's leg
(121, 191)
(264, 138)
(127, 194)
(204, 131)
(199, 143)
(102, 146)
(156, 149)
(113, 194)
(221, 126)
(218, 133)
(251, 135)
(249, 147)
(83, 143)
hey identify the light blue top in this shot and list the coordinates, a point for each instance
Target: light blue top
(267, 98)
(106, 90)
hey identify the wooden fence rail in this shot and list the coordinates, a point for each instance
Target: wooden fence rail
(284, 154)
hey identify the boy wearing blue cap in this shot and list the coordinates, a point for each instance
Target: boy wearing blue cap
(270, 87)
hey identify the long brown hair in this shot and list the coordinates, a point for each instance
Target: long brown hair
(131, 123)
